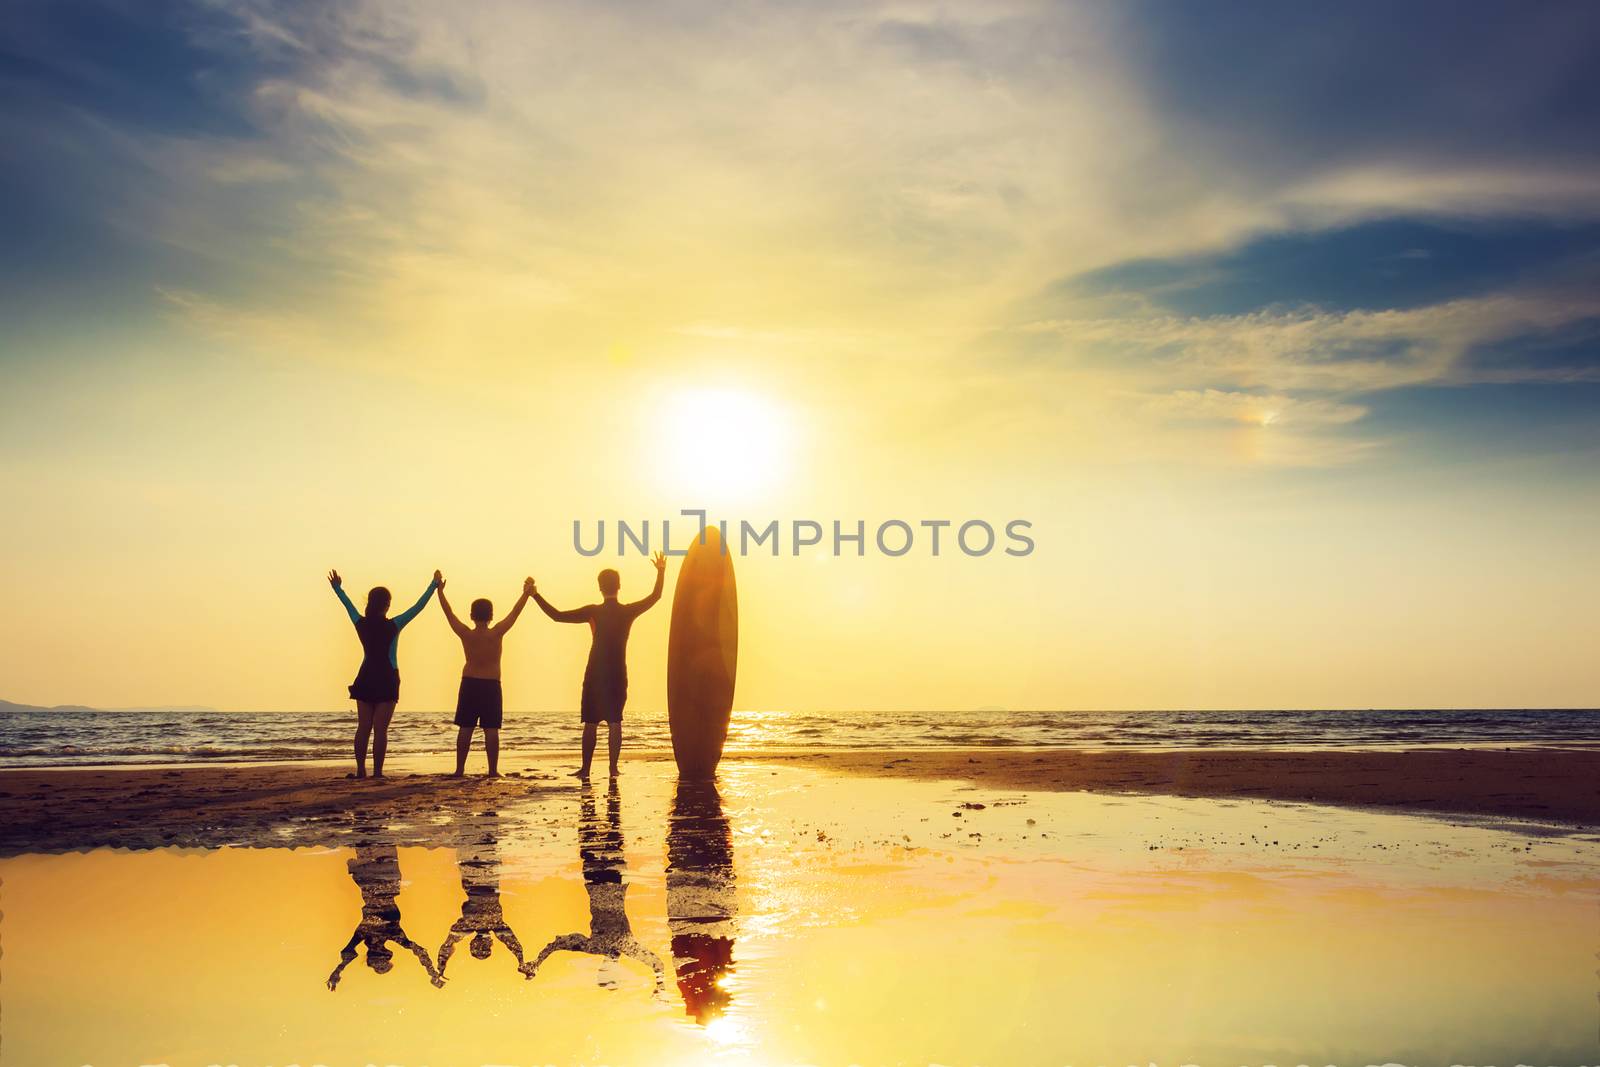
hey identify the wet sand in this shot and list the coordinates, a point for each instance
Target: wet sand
(795, 916)
(289, 804)
(283, 805)
(1548, 785)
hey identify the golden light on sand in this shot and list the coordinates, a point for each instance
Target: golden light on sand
(724, 442)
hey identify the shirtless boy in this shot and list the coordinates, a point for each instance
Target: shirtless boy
(480, 701)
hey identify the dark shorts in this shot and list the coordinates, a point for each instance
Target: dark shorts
(603, 700)
(479, 703)
(376, 685)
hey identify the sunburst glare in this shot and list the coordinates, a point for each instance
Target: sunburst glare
(724, 444)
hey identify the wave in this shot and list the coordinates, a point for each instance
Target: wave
(65, 738)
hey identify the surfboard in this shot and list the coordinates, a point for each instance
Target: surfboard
(702, 654)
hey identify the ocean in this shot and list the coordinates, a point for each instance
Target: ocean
(47, 738)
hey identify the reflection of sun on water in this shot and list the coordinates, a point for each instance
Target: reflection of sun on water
(725, 1031)
(729, 1040)
(723, 443)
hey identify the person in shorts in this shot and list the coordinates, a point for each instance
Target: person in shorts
(480, 701)
(376, 689)
(605, 677)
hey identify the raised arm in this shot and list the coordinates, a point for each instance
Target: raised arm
(564, 943)
(510, 941)
(634, 950)
(639, 607)
(447, 950)
(575, 615)
(434, 975)
(455, 624)
(511, 617)
(338, 591)
(410, 613)
(346, 955)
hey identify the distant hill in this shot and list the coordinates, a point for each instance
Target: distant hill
(6, 705)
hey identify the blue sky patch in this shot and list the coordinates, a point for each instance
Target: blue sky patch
(1395, 263)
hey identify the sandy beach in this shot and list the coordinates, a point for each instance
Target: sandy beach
(286, 804)
(933, 912)
(1555, 785)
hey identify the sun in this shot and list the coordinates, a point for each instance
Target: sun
(724, 443)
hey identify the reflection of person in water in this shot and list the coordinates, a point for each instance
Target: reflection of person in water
(482, 917)
(376, 870)
(610, 935)
(701, 907)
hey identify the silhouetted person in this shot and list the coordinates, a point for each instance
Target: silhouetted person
(376, 870)
(610, 935)
(605, 678)
(480, 700)
(701, 903)
(376, 689)
(482, 917)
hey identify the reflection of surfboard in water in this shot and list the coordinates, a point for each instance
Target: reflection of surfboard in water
(702, 652)
(701, 901)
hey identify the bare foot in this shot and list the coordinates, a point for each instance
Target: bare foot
(493, 774)
(458, 774)
(581, 772)
(615, 773)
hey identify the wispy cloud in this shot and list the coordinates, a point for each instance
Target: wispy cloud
(1315, 350)
(505, 188)
(1300, 376)
(1252, 409)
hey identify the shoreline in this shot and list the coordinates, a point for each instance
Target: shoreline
(288, 804)
(757, 755)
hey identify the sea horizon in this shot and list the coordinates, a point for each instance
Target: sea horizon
(80, 738)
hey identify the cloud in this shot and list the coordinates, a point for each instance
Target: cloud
(1372, 108)
(855, 190)
(1312, 349)
(934, 160)
(1251, 409)
(255, 329)
(1302, 382)
(1317, 323)
(1262, 428)
(818, 168)
(1560, 190)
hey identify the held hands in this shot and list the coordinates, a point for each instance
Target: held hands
(661, 563)
(528, 585)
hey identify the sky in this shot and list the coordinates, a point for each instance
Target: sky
(1279, 323)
